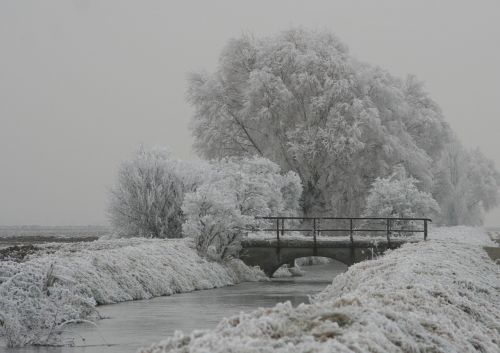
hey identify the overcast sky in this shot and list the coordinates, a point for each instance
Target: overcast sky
(83, 83)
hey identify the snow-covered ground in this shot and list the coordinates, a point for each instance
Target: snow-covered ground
(44, 232)
(442, 295)
(49, 285)
(494, 234)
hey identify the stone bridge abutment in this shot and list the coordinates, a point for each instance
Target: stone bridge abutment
(271, 253)
(266, 254)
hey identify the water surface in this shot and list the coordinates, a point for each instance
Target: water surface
(135, 324)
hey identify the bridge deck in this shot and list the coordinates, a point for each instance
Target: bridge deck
(324, 242)
(281, 240)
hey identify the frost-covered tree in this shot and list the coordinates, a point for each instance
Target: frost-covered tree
(222, 209)
(398, 196)
(147, 197)
(466, 185)
(302, 101)
(214, 220)
(260, 187)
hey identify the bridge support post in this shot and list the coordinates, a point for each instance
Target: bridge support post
(278, 238)
(315, 250)
(389, 232)
(352, 251)
(351, 231)
(425, 229)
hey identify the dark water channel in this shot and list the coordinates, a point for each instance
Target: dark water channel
(139, 323)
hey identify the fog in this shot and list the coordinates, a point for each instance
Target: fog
(83, 83)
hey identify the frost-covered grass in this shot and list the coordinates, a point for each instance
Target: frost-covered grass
(61, 283)
(442, 295)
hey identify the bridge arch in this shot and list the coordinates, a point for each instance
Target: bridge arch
(288, 257)
(271, 253)
(309, 261)
(270, 259)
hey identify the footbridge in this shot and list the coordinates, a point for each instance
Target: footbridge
(348, 240)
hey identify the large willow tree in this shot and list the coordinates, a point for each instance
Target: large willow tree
(301, 100)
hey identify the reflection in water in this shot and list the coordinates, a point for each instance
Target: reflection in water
(134, 324)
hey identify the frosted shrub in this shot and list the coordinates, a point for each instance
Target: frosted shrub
(260, 188)
(147, 198)
(149, 195)
(35, 303)
(62, 283)
(291, 191)
(398, 196)
(466, 185)
(224, 208)
(192, 173)
(214, 220)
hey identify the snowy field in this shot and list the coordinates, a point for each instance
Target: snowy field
(442, 295)
(21, 235)
(52, 231)
(47, 286)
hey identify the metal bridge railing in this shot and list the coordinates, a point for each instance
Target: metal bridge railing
(351, 229)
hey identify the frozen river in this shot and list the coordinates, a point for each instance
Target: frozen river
(135, 324)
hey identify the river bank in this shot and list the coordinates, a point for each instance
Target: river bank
(43, 289)
(133, 324)
(442, 295)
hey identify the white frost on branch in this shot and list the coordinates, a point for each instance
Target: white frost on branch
(466, 185)
(146, 198)
(300, 99)
(224, 207)
(398, 196)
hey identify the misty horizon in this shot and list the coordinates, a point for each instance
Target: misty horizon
(84, 83)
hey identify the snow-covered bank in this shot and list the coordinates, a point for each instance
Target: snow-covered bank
(57, 283)
(442, 295)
